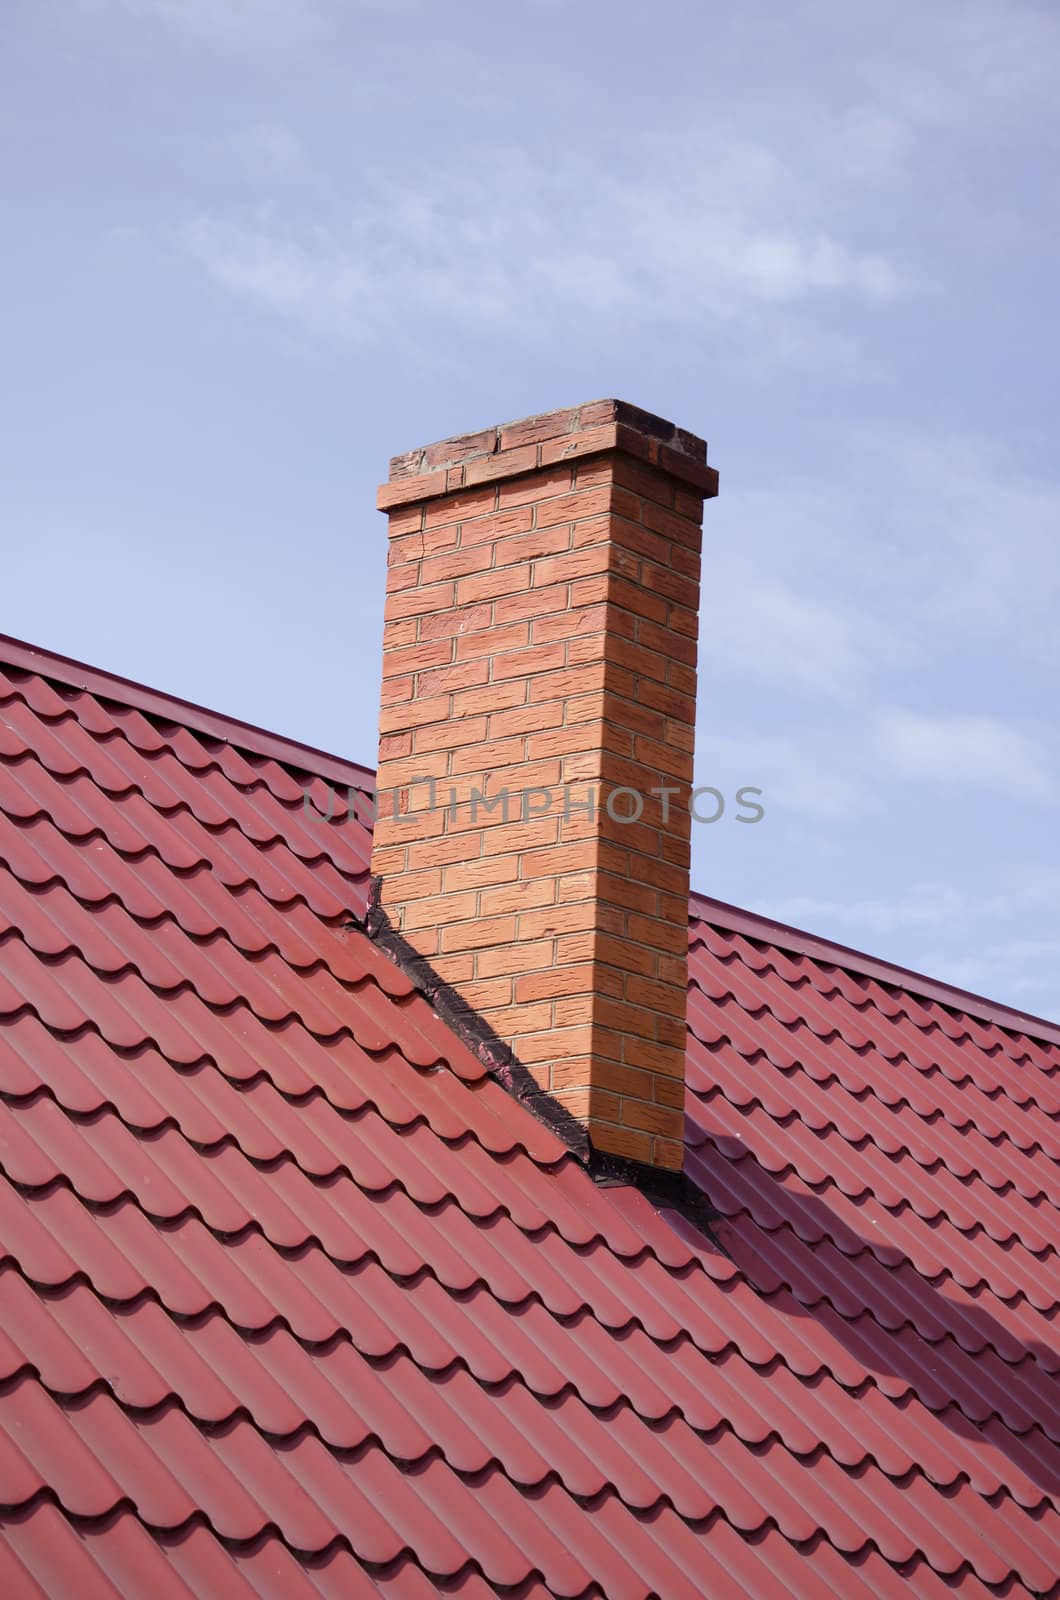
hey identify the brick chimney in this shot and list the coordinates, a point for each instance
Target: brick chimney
(540, 651)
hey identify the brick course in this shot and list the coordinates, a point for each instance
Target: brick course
(540, 629)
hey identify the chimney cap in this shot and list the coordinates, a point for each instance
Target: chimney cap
(543, 440)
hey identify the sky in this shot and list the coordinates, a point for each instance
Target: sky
(253, 248)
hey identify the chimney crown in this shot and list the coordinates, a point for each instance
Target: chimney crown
(535, 761)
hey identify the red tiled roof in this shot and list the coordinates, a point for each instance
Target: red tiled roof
(297, 1301)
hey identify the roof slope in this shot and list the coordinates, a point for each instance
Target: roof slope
(296, 1301)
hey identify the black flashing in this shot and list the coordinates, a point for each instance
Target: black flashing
(665, 1190)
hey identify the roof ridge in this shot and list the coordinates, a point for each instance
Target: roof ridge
(241, 735)
(757, 925)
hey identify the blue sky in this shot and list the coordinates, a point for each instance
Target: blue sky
(255, 247)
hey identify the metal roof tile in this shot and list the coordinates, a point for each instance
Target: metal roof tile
(276, 1253)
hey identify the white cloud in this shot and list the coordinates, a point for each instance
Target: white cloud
(308, 284)
(963, 749)
(989, 941)
(924, 906)
(532, 245)
(974, 537)
(813, 775)
(918, 554)
(757, 626)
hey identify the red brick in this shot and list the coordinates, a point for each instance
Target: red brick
(572, 507)
(489, 585)
(500, 464)
(573, 947)
(526, 719)
(417, 602)
(414, 713)
(485, 872)
(535, 603)
(688, 503)
(561, 685)
(405, 519)
(676, 764)
(663, 697)
(669, 1092)
(662, 1060)
(459, 507)
(522, 895)
(445, 680)
(514, 958)
(525, 1019)
(431, 653)
(681, 529)
(557, 1044)
(448, 451)
(687, 561)
(591, 591)
(591, 647)
(482, 933)
(632, 597)
(450, 735)
(549, 984)
(526, 775)
(571, 624)
(401, 578)
(532, 430)
(557, 742)
(392, 746)
(492, 641)
(398, 634)
(526, 663)
(623, 953)
(674, 585)
(400, 550)
(520, 836)
(468, 619)
(456, 564)
(542, 486)
(645, 481)
(530, 546)
(437, 852)
(576, 1102)
(664, 1120)
(574, 564)
(634, 537)
(491, 529)
(487, 994)
(485, 755)
(556, 920)
(668, 1153)
(591, 530)
(675, 645)
(557, 859)
(433, 911)
(573, 1010)
(659, 996)
(394, 690)
(491, 697)
(628, 1142)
